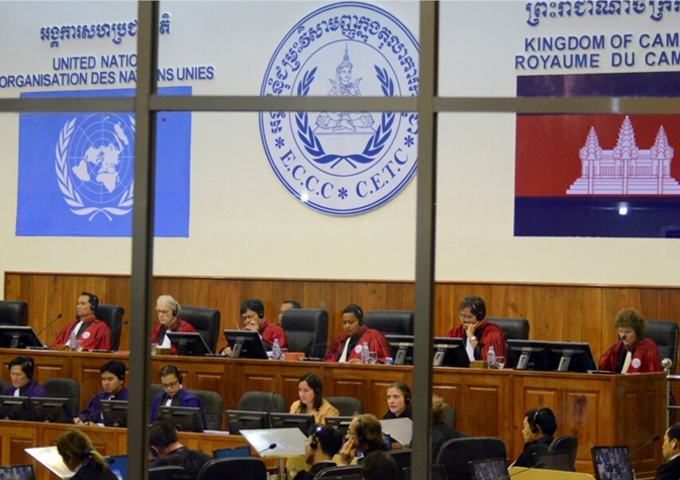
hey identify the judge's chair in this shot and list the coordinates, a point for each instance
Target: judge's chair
(112, 315)
(513, 328)
(262, 402)
(306, 331)
(390, 322)
(347, 406)
(665, 335)
(457, 454)
(233, 469)
(213, 406)
(13, 313)
(64, 388)
(206, 321)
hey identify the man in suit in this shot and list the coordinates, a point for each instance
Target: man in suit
(671, 452)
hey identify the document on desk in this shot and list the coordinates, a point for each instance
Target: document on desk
(400, 429)
(49, 458)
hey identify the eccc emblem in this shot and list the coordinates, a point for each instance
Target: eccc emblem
(343, 163)
(94, 164)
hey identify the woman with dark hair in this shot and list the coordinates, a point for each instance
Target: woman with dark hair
(311, 400)
(79, 456)
(633, 353)
(398, 401)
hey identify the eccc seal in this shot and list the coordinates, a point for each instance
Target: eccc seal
(343, 163)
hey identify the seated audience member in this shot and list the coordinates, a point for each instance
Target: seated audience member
(252, 314)
(539, 425)
(440, 432)
(477, 333)
(322, 445)
(92, 333)
(364, 435)
(78, 454)
(633, 353)
(671, 452)
(166, 450)
(169, 311)
(21, 374)
(379, 466)
(398, 401)
(287, 305)
(174, 395)
(113, 383)
(347, 346)
(311, 400)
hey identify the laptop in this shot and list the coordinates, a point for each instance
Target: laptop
(492, 469)
(118, 465)
(612, 463)
(17, 472)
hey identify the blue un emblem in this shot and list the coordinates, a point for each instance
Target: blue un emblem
(343, 163)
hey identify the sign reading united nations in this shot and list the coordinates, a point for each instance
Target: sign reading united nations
(343, 163)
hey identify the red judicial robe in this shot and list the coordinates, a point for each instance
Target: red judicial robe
(376, 343)
(645, 357)
(94, 333)
(488, 334)
(178, 325)
(271, 331)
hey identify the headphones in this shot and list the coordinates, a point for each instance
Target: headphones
(359, 431)
(94, 301)
(172, 370)
(29, 369)
(478, 312)
(315, 442)
(532, 422)
(175, 312)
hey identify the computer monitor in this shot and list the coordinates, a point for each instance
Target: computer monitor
(493, 469)
(15, 408)
(17, 472)
(236, 452)
(612, 463)
(560, 461)
(52, 409)
(118, 465)
(238, 420)
(245, 344)
(14, 336)
(185, 419)
(189, 343)
(450, 352)
(571, 357)
(114, 412)
(291, 420)
(529, 355)
(341, 423)
(402, 348)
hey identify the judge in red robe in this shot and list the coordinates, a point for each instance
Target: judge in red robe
(252, 314)
(91, 333)
(633, 353)
(168, 311)
(478, 334)
(347, 346)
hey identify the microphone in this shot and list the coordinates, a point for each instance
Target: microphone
(271, 446)
(536, 465)
(49, 325)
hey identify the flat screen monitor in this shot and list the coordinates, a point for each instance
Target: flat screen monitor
(17, 472)
(114, 413)
(493, 469)
(52, 410)
(571, 357)
(245, 344)
(402, 348)
(529, 355)
(238, 420)
(292, 420)
(450, 352)
(14, 336)
(189, 343)
(236, 452)
(341, 423)
(612, 463)
(118, 465)
(15, 408)
(185, 419)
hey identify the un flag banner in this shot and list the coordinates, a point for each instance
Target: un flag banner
(76, 170)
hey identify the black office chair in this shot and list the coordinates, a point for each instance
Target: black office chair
(347, 406)
(390, 322)
(567, 444)
(206, 321)
(306, 331)
(262, 402)
(233, 469)
(344, 471)
(13, 313)
(155, 389)
(457, 454)
(3, 386)
(402, 459)
(112, 315)
(513, 328)
(213, 407)
(665, 335)
(64, 387)
(170, 472)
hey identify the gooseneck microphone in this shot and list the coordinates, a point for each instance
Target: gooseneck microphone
(49, 325)
(271, 446)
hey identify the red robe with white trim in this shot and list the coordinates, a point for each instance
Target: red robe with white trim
(95, 336)
(271, 331)
(376, 343)
(488, 334)
(178, 325)
(645, 357)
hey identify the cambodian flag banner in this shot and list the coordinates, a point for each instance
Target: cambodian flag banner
(598, 175)
(76, 170)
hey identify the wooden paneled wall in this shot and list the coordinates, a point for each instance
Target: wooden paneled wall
(556, 312)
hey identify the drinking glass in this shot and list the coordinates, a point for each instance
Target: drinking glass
(373, 358)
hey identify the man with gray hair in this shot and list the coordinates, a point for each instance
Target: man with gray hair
(168, 311)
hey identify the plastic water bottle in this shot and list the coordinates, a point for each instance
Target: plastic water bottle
(365, 353)
(491, 357)
(276, 350)
(73, 342)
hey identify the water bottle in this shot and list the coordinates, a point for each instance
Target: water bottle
(491, 357)
(73, 342)
(365, 353)
(276, 350)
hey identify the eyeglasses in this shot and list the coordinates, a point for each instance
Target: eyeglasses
(164, 312)
(170, 385)
(249, 317)
(463, 316)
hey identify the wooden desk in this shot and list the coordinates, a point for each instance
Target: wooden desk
(598, 409)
